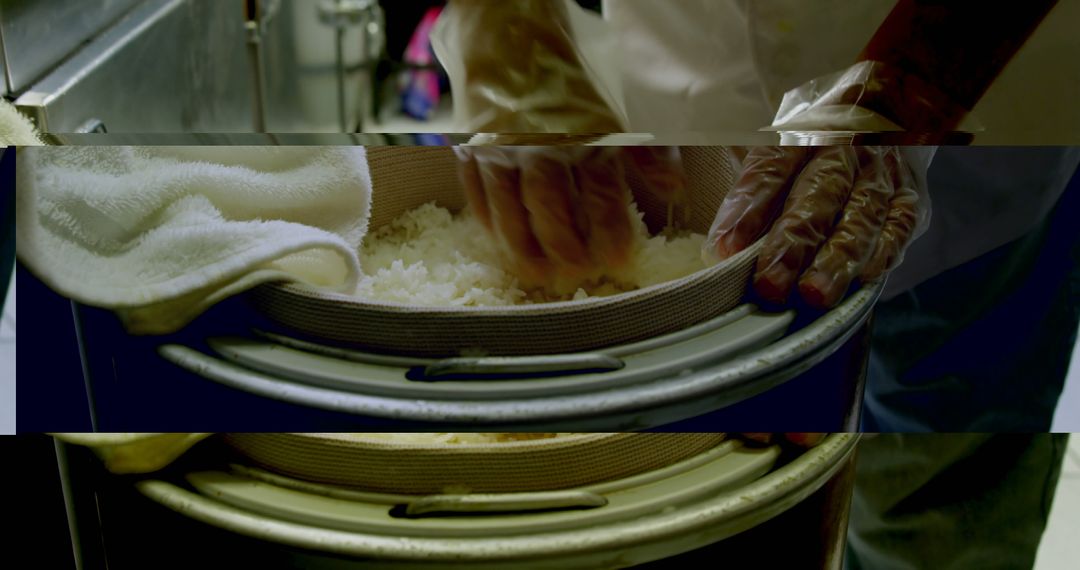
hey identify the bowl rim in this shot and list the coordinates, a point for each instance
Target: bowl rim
(358, 441)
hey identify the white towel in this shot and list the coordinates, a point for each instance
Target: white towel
(15, 129)
(126, 453)
(160, 234)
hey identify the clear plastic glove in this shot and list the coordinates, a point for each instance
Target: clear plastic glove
(830, 216)
(916, 73)
(868, 96)
(517, 66)
(561, 213)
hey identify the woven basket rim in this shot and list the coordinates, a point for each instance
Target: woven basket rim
(339, 440)
(511, 466)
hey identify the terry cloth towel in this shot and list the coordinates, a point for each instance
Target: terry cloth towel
(125, 453)
(161, 234)
(15, 129)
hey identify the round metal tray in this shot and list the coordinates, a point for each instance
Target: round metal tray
(647, 517)
(682, 375)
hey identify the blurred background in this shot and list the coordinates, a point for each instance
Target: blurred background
(277, 66)
(331, 66)
(224, 66)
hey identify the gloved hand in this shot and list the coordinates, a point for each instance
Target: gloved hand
(916, 71)
(561, 213)
(831, 215)
(870, 96)
(517, 67)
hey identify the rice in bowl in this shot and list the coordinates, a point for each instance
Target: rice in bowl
(430, 257)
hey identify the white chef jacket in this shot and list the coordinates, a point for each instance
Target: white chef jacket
(723, 65)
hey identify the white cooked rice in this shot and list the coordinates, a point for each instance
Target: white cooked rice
(428, 256)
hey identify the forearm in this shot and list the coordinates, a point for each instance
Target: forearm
(956, 47)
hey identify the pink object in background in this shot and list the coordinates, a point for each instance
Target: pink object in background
(420, 93)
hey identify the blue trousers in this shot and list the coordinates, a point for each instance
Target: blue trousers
(984, 347)
(952, 501)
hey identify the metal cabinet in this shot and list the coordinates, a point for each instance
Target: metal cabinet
(197, 66)
(167, 66)
(39, 34)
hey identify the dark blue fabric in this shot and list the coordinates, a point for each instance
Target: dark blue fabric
(985, 346)
(952, 501)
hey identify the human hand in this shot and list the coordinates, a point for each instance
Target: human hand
(517, 68)
(871, 96)
(830, 215)
(561, 213)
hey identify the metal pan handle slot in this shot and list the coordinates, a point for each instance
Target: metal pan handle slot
(502, 503)
(466, 368)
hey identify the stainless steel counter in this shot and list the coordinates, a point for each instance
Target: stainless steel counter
(39, 34)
